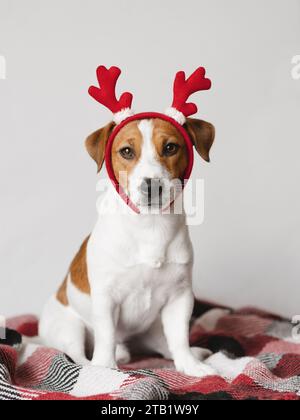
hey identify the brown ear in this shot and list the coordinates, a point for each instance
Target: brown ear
(96, 143)
(202, 134)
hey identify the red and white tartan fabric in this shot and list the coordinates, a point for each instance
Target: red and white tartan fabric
(254, 353)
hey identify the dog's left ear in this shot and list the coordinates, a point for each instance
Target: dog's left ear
(96, 143)
(202, 134)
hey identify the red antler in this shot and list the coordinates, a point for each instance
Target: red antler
(106, 93)
(184, 88)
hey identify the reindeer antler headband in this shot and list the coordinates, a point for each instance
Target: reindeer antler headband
(183, 88)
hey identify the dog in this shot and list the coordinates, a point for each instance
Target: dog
(129, 288)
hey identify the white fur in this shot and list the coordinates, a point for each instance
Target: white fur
(176, 115)
(122, 115)
(140, 269)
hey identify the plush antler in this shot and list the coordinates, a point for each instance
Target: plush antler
(106, 92)
(184, 88)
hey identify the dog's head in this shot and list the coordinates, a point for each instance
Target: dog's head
(149, 157)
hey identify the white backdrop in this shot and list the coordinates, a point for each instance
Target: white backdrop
(247, 251)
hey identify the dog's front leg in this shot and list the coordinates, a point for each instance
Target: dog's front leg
(176, 317)
(105, 317)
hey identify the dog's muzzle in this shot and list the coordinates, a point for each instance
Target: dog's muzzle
(151, 190)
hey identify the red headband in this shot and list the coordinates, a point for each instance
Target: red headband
(175, 115)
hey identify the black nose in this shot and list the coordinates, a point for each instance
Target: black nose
(152, 188)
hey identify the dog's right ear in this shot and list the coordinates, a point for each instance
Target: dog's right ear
(96, 143)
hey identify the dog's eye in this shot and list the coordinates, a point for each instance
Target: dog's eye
(127, 153)
(170, 149)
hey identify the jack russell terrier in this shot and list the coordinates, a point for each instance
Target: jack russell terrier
(129, 288)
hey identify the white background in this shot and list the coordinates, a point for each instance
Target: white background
(247, 251)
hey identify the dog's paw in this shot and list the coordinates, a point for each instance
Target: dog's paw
(122, 354)
(81, 360)
(105, 363)
(200, 353)
(189, 365)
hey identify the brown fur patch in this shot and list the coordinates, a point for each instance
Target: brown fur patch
(61, 295)
(202, 134)
(129, 136)
(78, 270)
(96, 143)
(78, 274)
(163, 133)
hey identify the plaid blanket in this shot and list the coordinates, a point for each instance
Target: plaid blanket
(253, 351)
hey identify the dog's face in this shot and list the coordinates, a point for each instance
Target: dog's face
(149, 157)
(152, 154)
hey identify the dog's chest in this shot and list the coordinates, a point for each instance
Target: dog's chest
(139, 263)
(120, 242)
(147, 292)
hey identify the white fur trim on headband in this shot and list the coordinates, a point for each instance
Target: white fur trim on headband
(176, 115)
(122, 115)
